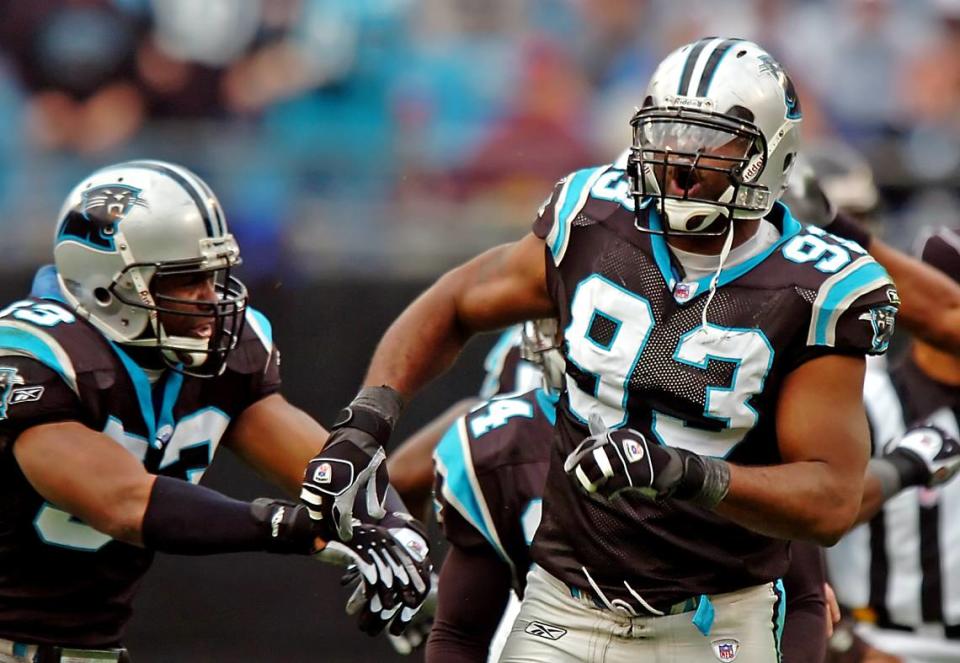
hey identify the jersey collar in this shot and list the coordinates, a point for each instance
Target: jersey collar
(684, 292)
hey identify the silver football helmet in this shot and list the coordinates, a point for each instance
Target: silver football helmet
(715, 137)
(540, 345)
(128, 224)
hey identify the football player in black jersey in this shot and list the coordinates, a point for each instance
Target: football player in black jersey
(716, 345)
(137, 357)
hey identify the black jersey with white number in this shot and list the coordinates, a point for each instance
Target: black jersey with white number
(62, 582)
(491, 466)
(639, 355)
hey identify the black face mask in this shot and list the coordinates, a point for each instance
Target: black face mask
(226, 314)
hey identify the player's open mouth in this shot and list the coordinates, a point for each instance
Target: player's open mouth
(684, 181)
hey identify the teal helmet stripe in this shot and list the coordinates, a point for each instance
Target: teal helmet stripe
(713, 62)
(691, 63)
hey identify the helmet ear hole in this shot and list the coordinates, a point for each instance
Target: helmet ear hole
(788, 161)
(103, 296)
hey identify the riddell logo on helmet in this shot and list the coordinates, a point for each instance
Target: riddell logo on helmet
(700, 103)
(753, 169)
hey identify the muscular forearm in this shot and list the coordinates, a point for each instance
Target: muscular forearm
(802, 500)
(185, 519)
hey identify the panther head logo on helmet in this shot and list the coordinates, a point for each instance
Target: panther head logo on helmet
(101, 208)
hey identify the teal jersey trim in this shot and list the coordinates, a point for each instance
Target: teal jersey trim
(35, 343)
(841, 294)
(493, 363)
(780, 617)
(144, 390)
(261, 327)
(661, 254)
(459, 481)
(548, 405)
(573, 196)
(46, 284)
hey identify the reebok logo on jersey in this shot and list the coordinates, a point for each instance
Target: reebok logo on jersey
(323, 474)
(545, 631)
(633, 450)
(25, 395)
(726, 650)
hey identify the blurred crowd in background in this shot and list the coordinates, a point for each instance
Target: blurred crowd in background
(364, 137)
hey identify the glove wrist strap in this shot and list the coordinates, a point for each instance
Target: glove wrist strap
(716, 483)
(287, 527)
(374, 411)
(898, 469)
(705, 481)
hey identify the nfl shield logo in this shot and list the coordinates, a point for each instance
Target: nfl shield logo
(684, 291)
(726, 650)
(323, 474)
(633, 449)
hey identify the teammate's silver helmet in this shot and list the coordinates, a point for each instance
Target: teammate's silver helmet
(130, 222)
(715, 108)
(540, 345)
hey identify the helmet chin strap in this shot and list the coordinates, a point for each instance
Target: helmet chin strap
(724, 254)
(182, 354)
(679, 212)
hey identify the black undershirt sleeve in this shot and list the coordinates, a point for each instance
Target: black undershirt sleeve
(473, 591)
(805, 630)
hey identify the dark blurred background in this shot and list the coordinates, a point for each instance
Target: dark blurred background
(361, 147)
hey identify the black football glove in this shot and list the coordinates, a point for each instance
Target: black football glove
(611, 461)
(380, 563)
(411, 581)
(352, 461)
(418, 630)
(924, 456)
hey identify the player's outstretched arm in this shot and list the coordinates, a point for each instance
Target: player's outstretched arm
(504, 285)
(277, 439)
(824, 442)
(90, 476)
(474, 588)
